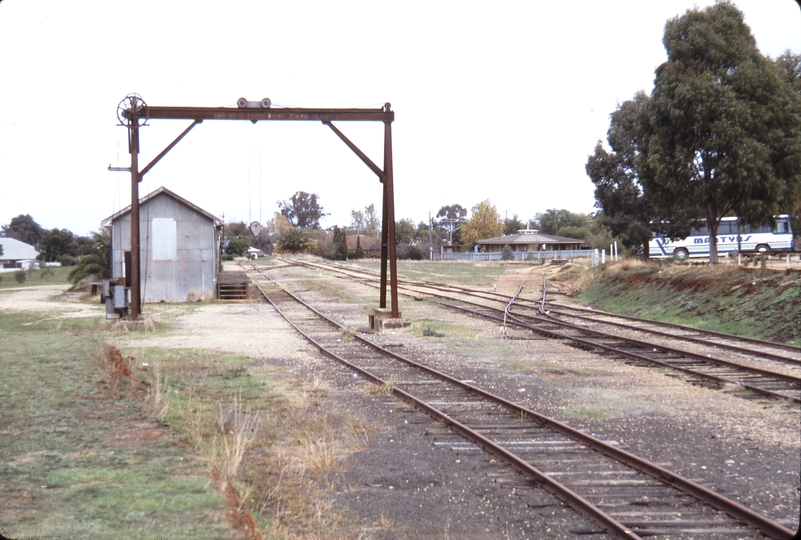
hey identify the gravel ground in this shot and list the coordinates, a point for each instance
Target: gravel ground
(750, 450)
(419, 481)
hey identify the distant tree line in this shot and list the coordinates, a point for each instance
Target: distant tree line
(54, 245)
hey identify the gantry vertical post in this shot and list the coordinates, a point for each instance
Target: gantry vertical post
(133, 134)
(382, 293)
(389, 212)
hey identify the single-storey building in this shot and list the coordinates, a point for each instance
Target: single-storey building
(369, 244)
(528, 240)
(179, 246)
(16, 254)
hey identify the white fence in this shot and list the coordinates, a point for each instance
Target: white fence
(519, 255)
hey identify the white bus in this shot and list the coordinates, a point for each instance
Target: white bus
(732, 236)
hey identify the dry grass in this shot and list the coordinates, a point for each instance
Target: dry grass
(120, 377)
(199, 296)
(238, 428)
(385, 389)
(157, 401)
(144, 323)
(273, 447)
(289, 468)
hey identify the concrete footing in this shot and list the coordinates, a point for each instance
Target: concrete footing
(381, 319)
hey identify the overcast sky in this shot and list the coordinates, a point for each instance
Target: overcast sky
(493, 100)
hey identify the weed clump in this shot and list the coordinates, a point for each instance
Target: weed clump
(118, 370)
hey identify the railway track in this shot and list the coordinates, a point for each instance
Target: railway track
(626, 496)
(746, 367)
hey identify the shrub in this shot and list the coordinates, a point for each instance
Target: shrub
(238, 246)
(20, 276)
(507, 254)
(415, 254)
(68, 260)
(294, 240)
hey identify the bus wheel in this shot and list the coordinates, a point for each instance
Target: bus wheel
(763, 248)
(680, 254)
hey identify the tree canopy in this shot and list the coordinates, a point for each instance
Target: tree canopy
(55, 243)
(484, 222)
(24, 229)
(627, 211)
(511, 226)
(562, 223)
(366, 220)
(452, 211)
(721, 132)
(303, 210)
(448, 217)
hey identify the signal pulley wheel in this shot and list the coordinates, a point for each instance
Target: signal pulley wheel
(132, 110)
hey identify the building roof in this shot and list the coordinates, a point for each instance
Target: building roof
(529, 237)
(152, 195)
(14, 250)
(366, 242)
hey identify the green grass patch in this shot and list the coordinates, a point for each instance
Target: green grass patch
(457, 273)
(438, 329)
(588, 414)
(740, 301)
(428, 331)
(56, 275)
(78, 462)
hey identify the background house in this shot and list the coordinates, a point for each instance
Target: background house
(369, 244)
(528, 240)
(179, 248)
(16, 254)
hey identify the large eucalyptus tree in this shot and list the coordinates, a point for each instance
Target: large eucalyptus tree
(721, 132)
(627, 212)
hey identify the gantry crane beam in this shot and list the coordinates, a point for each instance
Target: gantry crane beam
(256, 115)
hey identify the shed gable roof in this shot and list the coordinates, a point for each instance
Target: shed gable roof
(163, 191)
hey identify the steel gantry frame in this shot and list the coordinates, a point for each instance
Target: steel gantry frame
(133, 113)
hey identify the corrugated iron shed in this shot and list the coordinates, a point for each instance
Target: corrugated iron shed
(179, 247)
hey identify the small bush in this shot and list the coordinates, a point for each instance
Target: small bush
(430, 332)
(68, 260)
(415, 254)
(507, 254)
(20, 276)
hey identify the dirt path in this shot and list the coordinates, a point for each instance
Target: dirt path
(53, 299)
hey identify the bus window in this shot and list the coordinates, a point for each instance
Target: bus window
(781, 226)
